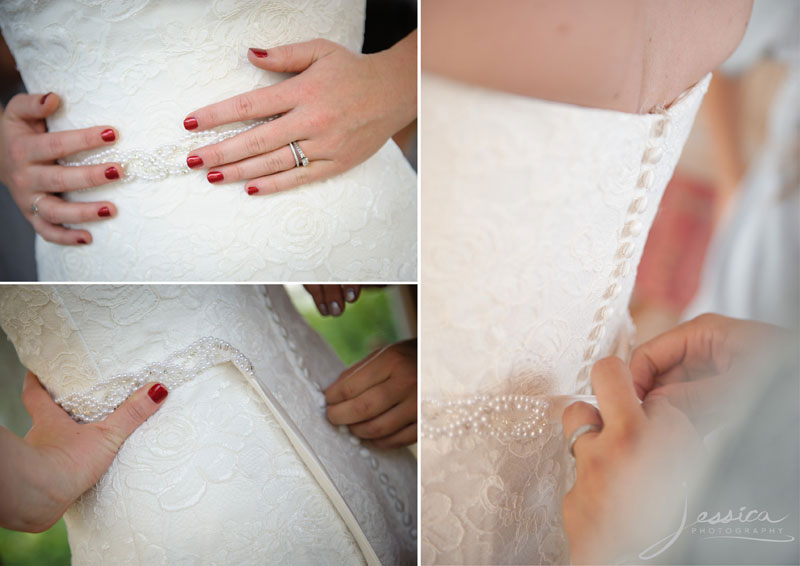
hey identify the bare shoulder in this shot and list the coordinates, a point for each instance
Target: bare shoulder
(627, 55)
(686, 39)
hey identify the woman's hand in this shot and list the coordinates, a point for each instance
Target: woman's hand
(28, 168)
(632, 475)
(331, 299)
(705, 366)
(377, 397)
(341, 108)
(60, 459)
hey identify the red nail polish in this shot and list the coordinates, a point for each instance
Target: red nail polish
(214, 176)
(44, 98)
(82, 241)
(251, 190)
(158, 393)
(190, 123)
(104, 211)
(108, 135)
(261, 53)
(194, 161)
(111, 173)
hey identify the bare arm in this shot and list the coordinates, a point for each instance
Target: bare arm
(626, 55)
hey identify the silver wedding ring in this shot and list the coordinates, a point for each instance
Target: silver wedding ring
(299, 157)
(581, 430)
(35, 205)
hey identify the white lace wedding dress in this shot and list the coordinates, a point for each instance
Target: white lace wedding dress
(240, 465)
(142, 66)
(534, 217)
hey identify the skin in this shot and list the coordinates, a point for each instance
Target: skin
(332, 299)
(341, 107)
(59, 459)
(679, 385)
(625, 55)
(377, 397)
(337, 123)
(28, 168)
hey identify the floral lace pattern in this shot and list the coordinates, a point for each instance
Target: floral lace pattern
(548, 237)
(207, 454)
(142, 66)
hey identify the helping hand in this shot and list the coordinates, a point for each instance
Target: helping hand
(377, 397)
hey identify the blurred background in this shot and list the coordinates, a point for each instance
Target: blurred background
(381, 316)
(726, 238)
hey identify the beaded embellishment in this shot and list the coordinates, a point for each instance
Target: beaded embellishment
(109, 393)
(168, 160)
(502, 416)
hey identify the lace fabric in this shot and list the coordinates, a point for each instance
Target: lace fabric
(548, 236)
(142, 66)
(252, 366)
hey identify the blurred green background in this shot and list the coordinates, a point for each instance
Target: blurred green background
(379, 317)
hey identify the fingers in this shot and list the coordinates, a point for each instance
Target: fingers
(59, 234)
(325, 295)
(388, 423)
(33, 106)
(579, 414)
(291, 58)
(37, 401)
(353, 381)
(702, 401)
(285, 180)
(59, 179)
(266, 138)
(319, 298)
(404, 437)
(258, 103)
(616, 396)
(371, 403)
(58, 211)
(133, 412)
(351, 293)
(54, 145)
(334, 299)
(253, 167)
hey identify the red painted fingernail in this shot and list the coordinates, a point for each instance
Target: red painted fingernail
(104, 211)
(190, 123)
(214, 176)
(111, 173)
(194, 161)
(158, 393)
(108, 135)
(44, 98)
(259, 52)
(251, 190)
(82, 241)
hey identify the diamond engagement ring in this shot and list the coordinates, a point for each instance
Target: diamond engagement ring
(581, 430)
(35, 205)
(299, 157)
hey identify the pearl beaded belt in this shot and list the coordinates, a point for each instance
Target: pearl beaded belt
(500, 416)
(182, 366)
(168, 160)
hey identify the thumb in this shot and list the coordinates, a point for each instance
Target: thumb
(38, 403)
(136, 409)
(33, 106)
(291, 58)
